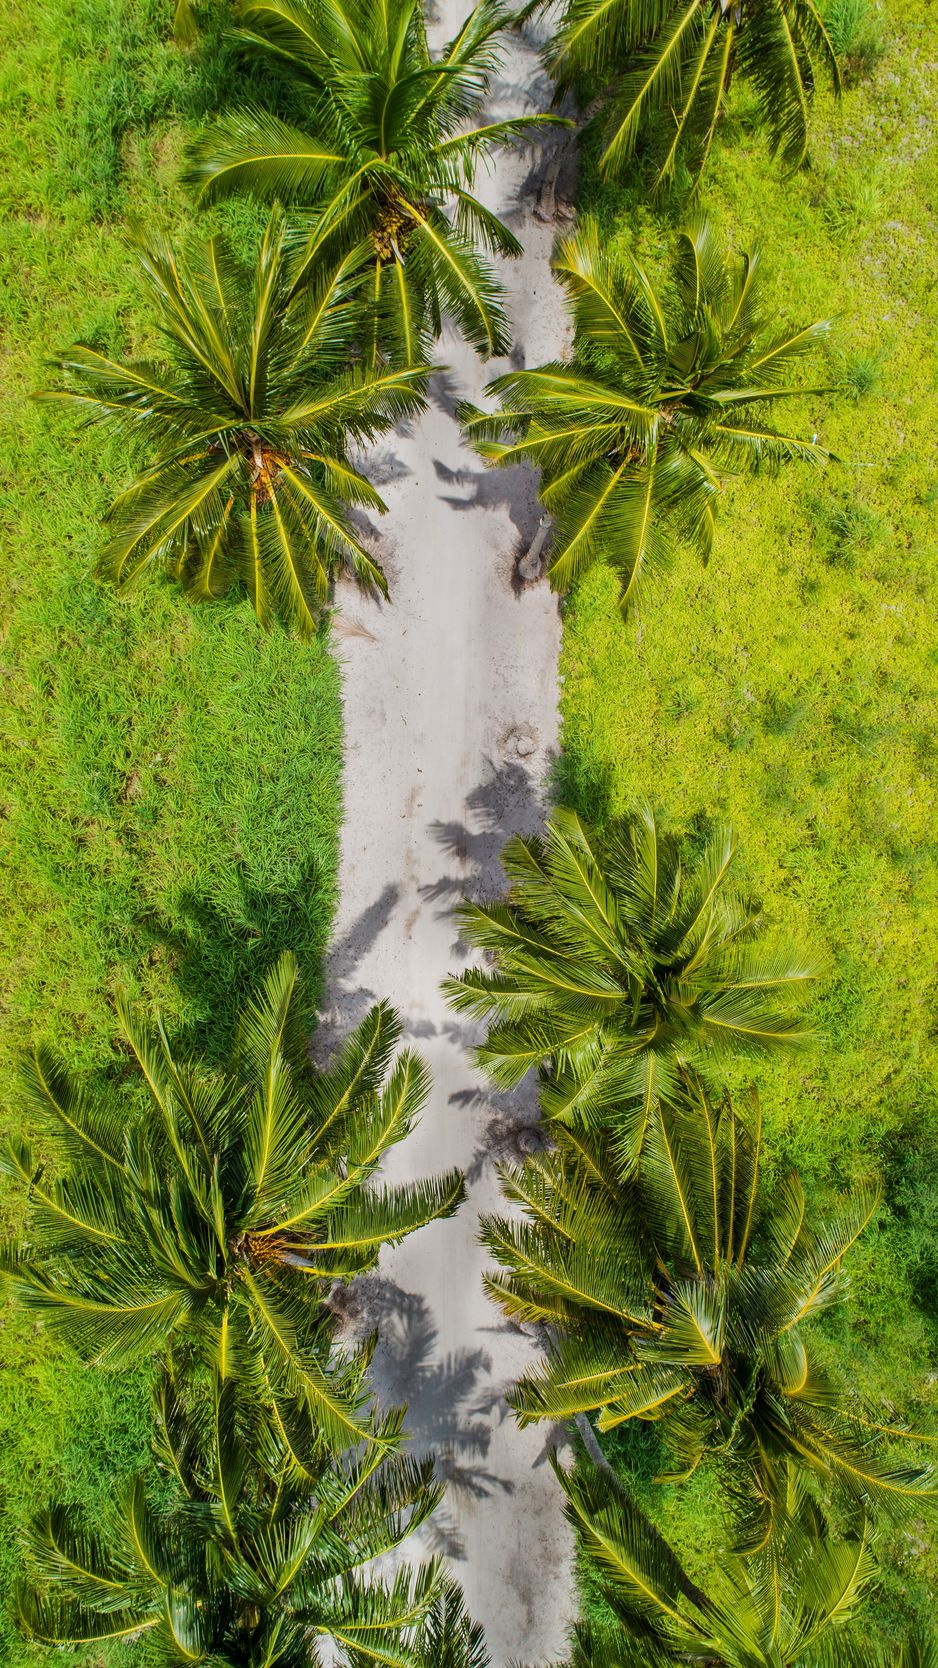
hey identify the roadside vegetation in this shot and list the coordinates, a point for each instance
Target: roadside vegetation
(790, 686)
(168, 828)
(672, 385)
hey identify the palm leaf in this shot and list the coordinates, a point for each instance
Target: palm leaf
(253, 150)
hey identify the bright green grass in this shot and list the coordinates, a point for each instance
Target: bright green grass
(170, 777)
(791, 688)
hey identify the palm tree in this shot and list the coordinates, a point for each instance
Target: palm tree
(790, 1612)
(668, 388)
(679, 57)
(614, 963)
(210, 1225)
(682, 1297)
(383, 159)
(254, 1552)
(244, 430)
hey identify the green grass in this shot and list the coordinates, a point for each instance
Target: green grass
(169, 785)
(791, 686)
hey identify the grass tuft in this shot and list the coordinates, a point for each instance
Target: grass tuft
(856, 34)
(852, 200)
(859, 375)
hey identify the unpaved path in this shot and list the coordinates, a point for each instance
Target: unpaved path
(450, 722)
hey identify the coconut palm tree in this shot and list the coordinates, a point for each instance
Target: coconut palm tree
(243, 430)
(677, 57)
(209, 1224)
(683, 1296)
(614, 962)
(254, 1550)
(383, 158)
(670, 386)
(794, 1611)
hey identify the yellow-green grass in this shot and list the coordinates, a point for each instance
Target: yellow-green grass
(790, 687)
(170, 776)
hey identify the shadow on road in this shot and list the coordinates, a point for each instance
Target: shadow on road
(349, 1002)
(449, 1401)
(514, 489)
(507, 801)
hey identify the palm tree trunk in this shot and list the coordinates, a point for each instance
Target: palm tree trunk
(531, 564)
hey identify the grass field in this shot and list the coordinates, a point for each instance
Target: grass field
(170, 777)
(790, 687)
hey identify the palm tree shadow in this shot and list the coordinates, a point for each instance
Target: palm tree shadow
(507, 801)
(444, 391)
(225, 74)
(349, 999)
(508, 1125)
(514, 489)
(219, 951)
(449, 1404)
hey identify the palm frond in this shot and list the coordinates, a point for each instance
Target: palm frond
(254, 151)
(210, 1230)
(672, 56)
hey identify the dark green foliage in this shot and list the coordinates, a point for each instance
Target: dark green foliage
(913, 1230)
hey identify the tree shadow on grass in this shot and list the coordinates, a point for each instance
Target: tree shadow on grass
(584, 785)
(219, 952)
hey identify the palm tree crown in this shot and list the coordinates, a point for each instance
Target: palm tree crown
(244, 430)
(668, 387)
(614, 963)
(384, 157)
(257, 1556)
(682, 1296)
(680, 56)
(219, 1219)
(791, 1609)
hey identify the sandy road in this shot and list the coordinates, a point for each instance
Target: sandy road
(450, 719)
